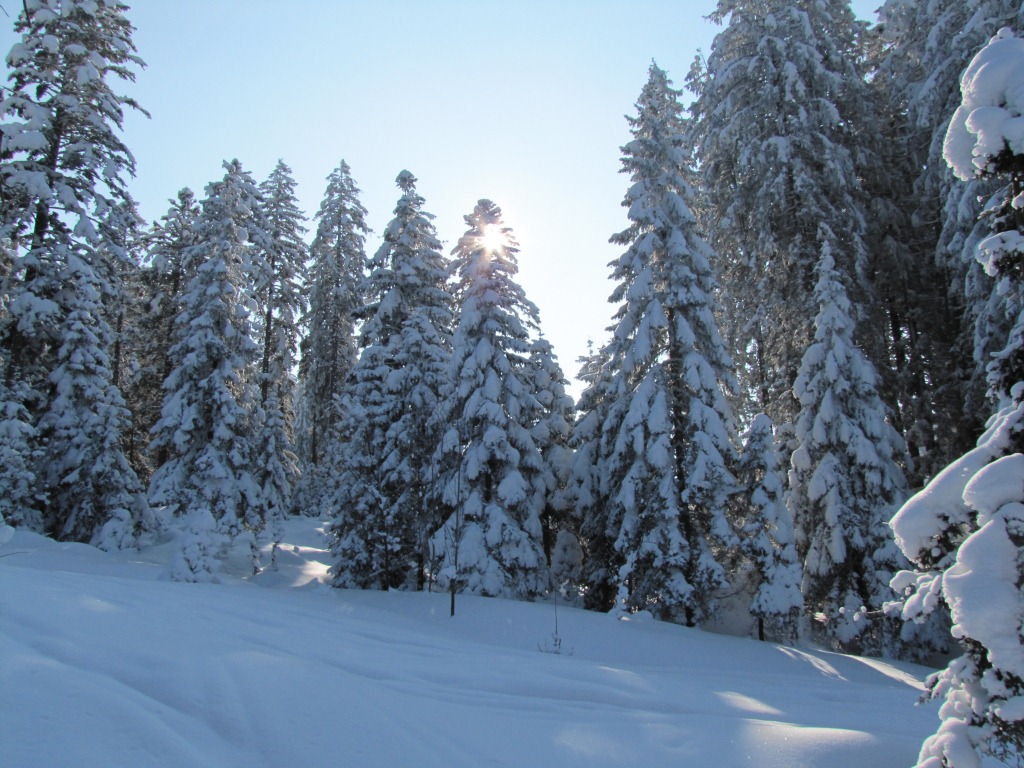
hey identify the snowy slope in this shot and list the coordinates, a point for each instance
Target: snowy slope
(103, 663)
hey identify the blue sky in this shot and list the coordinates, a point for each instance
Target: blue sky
(520, 101)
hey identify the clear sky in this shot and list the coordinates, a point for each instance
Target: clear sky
(519, 101)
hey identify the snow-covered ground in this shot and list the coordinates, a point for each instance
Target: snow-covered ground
(105, 663)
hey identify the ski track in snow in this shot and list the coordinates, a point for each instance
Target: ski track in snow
(103, 663)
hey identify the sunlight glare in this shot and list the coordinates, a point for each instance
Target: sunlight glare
(493, 238)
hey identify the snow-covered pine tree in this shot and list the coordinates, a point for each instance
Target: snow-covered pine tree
(586, 487)
(279, 271)
(279, 278)
(118, 262)
(845, 480)
(20, 502)
(62, 168)
(163, 279)
(366, 540)
(974, 201)
(963, 532)
(930, 45)
(383, 520)
(922, 378)
(211, 419)
(329, 349)
(489, 464)
(766, 536)
(773, 125)
(93, 493)
(668, 435)
(946, 311)
(552, 433)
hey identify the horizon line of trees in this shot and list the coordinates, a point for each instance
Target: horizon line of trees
(817, 308)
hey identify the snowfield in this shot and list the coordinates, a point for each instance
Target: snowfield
(105, 663)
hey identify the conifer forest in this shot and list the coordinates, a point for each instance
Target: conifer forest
(802, 423)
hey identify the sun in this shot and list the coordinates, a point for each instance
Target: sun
(493, 238)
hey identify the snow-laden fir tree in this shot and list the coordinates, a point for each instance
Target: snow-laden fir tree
(586, 469)
(329, 349)
(163, 279)
(930, 45)
(118, 263)
(946, 310)
(766, 535)
(776, 111)
(19, 489)
(62, 168)
(279, 277)
(211, 420)
(668, 437)
(963, 532)
(552, 433)
(278, 274)
(93, 493)
(977, 200)
(383, 520)
(918, 316)
(489, 463)
(845, 480)
(366, 541)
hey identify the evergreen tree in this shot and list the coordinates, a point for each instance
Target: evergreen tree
(383, 519)
(922, 375)
(279, 280)
(963, 531)
(279, 276)
(118, 263)
(20, 502)
(163, 281)
(586, 483)
(774, 120)
(329, 350)
(845, 479)
(490, 464)
(945, 311)
(766, 533)
(210, 418)
(367, 538)
(668, 432)
(93, 493)
(552, 433)
(62, 168)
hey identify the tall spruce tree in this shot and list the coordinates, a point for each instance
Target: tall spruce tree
(667, 436)
(279, 279)
(329, 349)
(62, 168)
(938, 292)
(211, 418)
(93, 493)
(845, 480)
(552, 433)
(489, 463)
(963, 531)
(766, 535)
(164, 277)
(775, 115)
(585, 487)
(924, 370)
(20, 504)
(366, 539)
(383, 519)
(119, 261)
